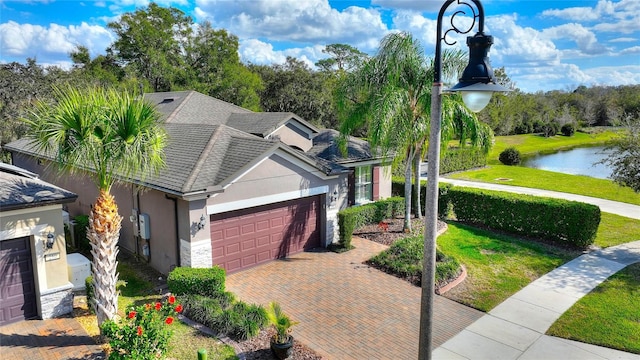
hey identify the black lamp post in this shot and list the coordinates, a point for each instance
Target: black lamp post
(476, 85)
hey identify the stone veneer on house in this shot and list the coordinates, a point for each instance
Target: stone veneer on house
(57, 302)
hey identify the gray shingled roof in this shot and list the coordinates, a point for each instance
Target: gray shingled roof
(325, 146)
(210, 141)
(19, 192)
(192, 107)
(197, 156)
(264, 123)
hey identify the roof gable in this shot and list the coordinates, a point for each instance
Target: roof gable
(265, 123)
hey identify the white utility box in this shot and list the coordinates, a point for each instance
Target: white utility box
(79, 268)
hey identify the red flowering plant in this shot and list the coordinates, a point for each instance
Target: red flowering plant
(144, 332)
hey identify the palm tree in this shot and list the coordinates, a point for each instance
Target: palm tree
(390, 96)
(107, 135)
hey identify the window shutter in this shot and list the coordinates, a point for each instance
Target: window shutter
(376, 182)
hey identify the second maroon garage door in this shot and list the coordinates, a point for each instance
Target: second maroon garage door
(244, 238)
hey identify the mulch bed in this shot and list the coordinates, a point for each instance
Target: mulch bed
(258, 348)
(393, 230)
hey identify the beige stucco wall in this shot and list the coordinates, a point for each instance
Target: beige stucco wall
(53, 289)
(38, 222)
(292, 136)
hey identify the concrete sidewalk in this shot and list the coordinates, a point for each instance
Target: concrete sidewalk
(515, 328)
(613, 207)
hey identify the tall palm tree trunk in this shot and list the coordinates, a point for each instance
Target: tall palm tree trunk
(407, 191)
(417, 189)
(103, 234)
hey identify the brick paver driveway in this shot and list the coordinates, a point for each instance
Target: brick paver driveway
(346, 309)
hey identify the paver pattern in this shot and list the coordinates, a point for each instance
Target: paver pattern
(55, 339)
(346, 309)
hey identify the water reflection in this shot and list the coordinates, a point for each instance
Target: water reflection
(578, 161)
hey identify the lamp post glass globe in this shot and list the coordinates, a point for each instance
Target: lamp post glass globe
(476, 100)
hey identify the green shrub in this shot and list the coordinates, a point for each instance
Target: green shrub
(459, 159)
(444, 205)
(200, 281)
(510, 156)
(237, 319)
(354, 217)
(568, 129)
(405, 257)
(568, 223)
(550, 129)
(88, 285)
(80, 232)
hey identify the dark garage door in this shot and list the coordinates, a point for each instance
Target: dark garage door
(244, 238)
(17, 287)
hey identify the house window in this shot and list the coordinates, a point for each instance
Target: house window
(364, 184)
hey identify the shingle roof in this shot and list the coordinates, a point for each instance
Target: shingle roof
(192, 107)
(325, 146)
(264, 123)
(197, 156)
(19, 192)
(210, 141)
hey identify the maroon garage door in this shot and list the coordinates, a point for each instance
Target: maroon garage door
(244, 238)
(17, 287)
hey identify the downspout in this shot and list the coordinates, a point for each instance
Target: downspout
(175, 212)
(147, 242)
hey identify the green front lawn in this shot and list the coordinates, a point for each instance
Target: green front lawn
(616, 230)
(497, 265)
(607, 316)
(549, 180)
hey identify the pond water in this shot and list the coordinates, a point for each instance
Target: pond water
(578, 161)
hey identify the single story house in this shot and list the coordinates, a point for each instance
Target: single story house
(33, 258)
(240, 188)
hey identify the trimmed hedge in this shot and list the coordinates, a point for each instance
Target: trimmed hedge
(459, 159)
(201, 281)
(565, 222)
(354, 217)
(397, 189)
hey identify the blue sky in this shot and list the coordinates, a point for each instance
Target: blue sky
(543, 45)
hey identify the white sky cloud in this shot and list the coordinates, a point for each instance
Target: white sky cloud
(34, 40)
(310, 21)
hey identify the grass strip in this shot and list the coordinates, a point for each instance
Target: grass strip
(616, 230)
(608, 315)
(549, 180)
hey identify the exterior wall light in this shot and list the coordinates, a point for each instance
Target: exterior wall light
(50, 240)
(201, 224)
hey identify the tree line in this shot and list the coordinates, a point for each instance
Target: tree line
(162, 49)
